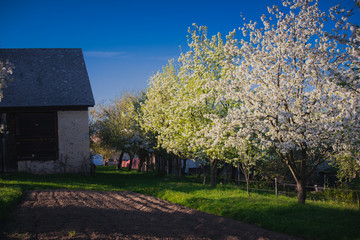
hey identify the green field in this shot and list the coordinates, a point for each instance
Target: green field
(315, 220)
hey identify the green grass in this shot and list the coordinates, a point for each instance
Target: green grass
(315, 220)
(9, 196)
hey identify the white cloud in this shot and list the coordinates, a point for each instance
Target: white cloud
(105, 54)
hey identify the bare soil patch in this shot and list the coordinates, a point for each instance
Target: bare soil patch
(72, 214)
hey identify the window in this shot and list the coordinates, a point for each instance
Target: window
(36, 136)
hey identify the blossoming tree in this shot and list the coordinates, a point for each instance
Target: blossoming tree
(184, 103)
(299, 86)
(6, 69)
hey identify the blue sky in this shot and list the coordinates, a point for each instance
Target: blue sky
(124, 42)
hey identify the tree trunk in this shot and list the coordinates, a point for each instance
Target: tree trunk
(301, 181)
(205, 174)
(177, 167)
(147, 162)
(238, 174)
(247, 185)
(301, 191)
(168, 162)
(183, 168)
(141, 161)
(299, 170)
(118, 167)
(131, 161)
(225, 173)
(158, 164)
(198, 171)
(166, 165)
(213, 172)
(245, 169)
(247, 176)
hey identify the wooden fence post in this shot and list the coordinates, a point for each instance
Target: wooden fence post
(276, 188)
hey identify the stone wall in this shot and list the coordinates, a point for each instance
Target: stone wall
(73, 143)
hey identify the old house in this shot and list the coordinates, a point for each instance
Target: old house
(44, 112)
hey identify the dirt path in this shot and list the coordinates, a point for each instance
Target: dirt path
(70, 214)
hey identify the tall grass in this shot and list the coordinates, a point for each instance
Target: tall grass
(316, 219)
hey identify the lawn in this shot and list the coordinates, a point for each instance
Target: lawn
(316, 219)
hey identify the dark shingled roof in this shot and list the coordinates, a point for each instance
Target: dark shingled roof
(46, 78)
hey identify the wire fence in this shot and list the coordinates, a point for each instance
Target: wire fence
(314, 192)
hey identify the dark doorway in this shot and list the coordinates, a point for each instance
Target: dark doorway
(28, 136)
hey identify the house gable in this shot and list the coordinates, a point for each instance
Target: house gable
(44, 110)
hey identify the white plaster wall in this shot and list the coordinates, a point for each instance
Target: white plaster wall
(73, 139)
